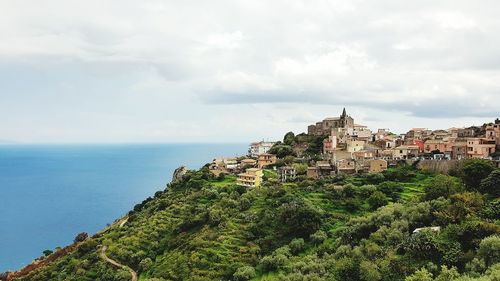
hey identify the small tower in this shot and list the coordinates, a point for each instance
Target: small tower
(344, 114)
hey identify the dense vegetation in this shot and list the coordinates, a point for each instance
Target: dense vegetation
(338, 228)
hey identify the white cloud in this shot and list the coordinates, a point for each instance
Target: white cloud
(159, 67)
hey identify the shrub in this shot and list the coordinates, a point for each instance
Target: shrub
(489, 249)
(318, 237)
(81, 237)
(296, 245)
(377, 200)
(244, 273)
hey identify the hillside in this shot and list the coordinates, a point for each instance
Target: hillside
(363, 227)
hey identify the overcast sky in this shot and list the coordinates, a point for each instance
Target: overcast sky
(238, 71)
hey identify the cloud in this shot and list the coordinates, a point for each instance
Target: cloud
(66, 65)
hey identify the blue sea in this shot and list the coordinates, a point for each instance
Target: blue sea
(50, 193)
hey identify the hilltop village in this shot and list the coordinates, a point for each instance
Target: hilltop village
(338, 145)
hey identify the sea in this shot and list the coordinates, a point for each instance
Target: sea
(50, 193)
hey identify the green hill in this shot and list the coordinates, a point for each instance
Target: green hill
(338, 228)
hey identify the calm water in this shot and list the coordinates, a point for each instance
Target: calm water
(50, 193)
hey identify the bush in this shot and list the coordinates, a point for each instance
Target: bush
(81, 237)
(377, 200)
(319, 237)
(489, 249)
(244, 273)
(296, 245)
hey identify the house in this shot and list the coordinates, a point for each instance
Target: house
(347, 166)
(266, 159)
(230, 164)
(480, 147)
(405, 152)
(377, 166)
(251, 178)
(287, 173)
(247, 163)
(258, 148)
(438, 145)
(321, 169)
(459, 150)
(355, 145)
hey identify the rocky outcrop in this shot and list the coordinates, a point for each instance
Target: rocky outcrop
(179, 174)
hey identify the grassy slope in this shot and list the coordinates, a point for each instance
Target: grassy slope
(204, 229)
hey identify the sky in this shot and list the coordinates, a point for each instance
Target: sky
(239, 71)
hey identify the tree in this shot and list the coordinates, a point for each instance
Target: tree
(244, 273)
(491, 184)
(299, 217)
(420, 275)
(281, 151)
(296, 245)
(369, 271)
(301, 169)
(474, 171)
(81, 237)
(377, 200)
(47, 253)
(391, 189)
(441, 186)
(289, 138)
(489, 249)
(319, 236)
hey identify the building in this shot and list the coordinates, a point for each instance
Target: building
(377, 166)
(480, 147)
(258, 148)
(459, 151)
(405, 152)
(325, 127)
(266, 159)
(248, 163)
(287, 173)
(355, 145)
(347, 166)
(251, 178)
(320, 170)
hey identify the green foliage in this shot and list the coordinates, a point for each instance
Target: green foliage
(296, 245)
(282, 150)
(244, 273)
(377, 200)
(208, 228)
(474, 171)
(491, 184)
(489, 249)
(289, 139)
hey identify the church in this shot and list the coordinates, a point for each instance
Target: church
(325, 127)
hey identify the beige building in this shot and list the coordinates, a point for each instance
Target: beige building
(405, 152)
(355, 145)
(480, 147)
(266, 159)
(377, 166)
(247, 163)
(251, 178)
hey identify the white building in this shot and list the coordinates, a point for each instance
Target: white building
(258, 148)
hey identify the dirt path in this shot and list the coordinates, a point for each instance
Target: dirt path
(115, 263)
